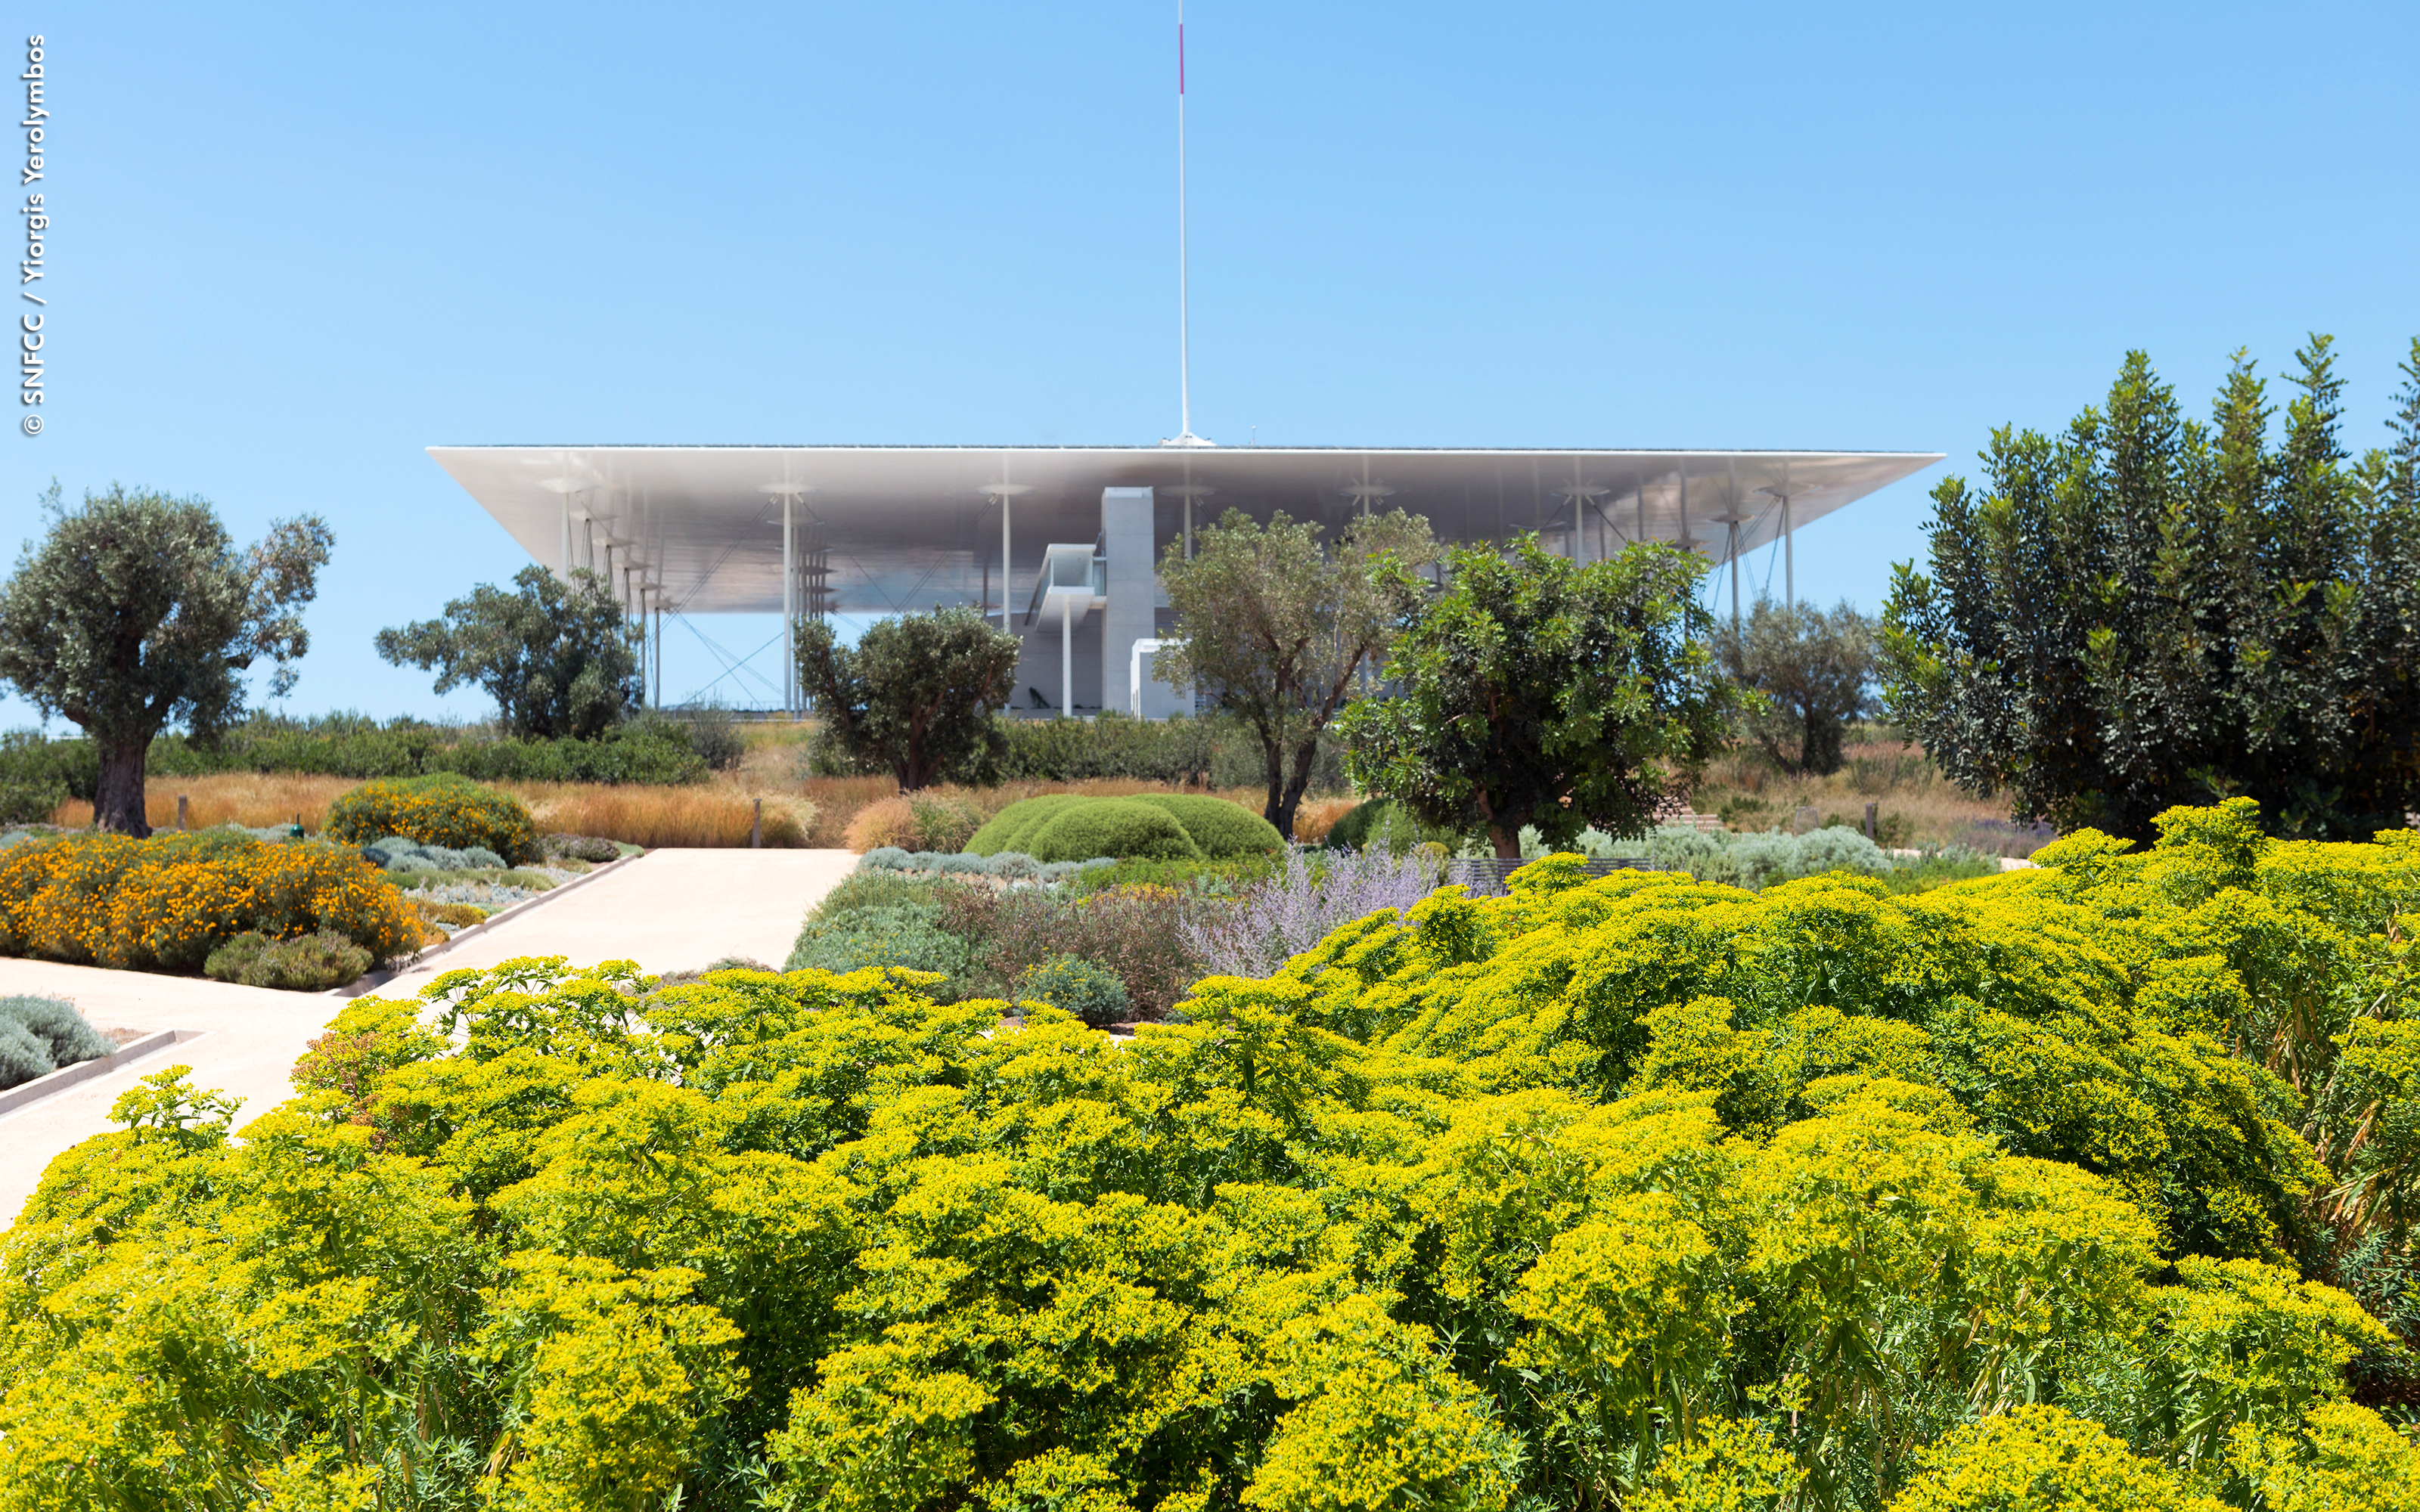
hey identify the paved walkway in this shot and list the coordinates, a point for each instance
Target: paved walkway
(668, 910)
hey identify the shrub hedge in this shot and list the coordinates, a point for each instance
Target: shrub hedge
(1637, 1193)
(1115, 827)
(445, 809)
(1221, 830)
(166, 902)
(652, 749)
(1012, 827)
(1056, 827)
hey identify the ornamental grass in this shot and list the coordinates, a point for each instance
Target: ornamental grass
(166, 902)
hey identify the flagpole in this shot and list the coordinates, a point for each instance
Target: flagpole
(1184, 333)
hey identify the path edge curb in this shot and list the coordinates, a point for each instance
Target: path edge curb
(376, 979)
(85, 1071)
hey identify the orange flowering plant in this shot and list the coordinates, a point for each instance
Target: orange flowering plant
(165, 903)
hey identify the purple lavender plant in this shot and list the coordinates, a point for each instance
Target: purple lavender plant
(1287, 915)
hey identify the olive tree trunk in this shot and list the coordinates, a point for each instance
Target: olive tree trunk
(117, 800)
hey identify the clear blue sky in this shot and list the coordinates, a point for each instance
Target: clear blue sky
(292, 247)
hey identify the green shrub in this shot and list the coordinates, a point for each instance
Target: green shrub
(30, 802)
(1386, 824)
(1199, 878)
(1013, 826)
(441, 809)
(1223, 831)
(897, 935)
(1116, 828)
(1077, 987)
(591, 848)
(65, 1033)
(306, 962)
(880, 890)
(22, 1055)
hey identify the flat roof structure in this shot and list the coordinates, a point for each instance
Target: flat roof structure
(904, 528)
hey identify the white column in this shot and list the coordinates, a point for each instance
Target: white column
(567, 537)
(789, 616)
(1004, 579)
(1789, 555)
(1066, 653)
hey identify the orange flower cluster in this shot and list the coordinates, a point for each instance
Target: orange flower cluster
(165, 903)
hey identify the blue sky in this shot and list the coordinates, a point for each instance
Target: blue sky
(291, 247)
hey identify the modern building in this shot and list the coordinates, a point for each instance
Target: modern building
(1063, 543)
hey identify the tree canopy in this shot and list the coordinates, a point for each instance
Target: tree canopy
(1538, 691)
(2146, 610)
(916, 693)
(559, 658)
(1815, 670)
(136, 609)
(1277, 629)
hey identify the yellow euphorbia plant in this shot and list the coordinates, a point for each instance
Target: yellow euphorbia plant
(1623, 1193)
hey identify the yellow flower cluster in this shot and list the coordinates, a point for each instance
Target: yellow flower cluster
(445, 809)
(165, 903)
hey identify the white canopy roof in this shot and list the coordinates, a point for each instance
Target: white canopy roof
(909, 526)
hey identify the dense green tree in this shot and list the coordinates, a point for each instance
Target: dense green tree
(2145, 611)
(1539, 691)
(1277, 629)
(136, 609)
(559, 657)
(915, 695)
(1816, 672)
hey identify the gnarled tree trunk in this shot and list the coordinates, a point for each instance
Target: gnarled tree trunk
(118, 801)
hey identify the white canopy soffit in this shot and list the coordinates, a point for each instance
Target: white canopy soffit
(909, 527)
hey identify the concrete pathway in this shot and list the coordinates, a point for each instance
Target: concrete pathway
(668, 910)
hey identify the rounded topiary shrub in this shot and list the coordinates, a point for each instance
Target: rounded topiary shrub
(443, 809)
(1223, 831)
(1117, 827)
(1078, 987)
(1012, 827)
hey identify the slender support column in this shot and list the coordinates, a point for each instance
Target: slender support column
(789, 614)
(566, 538)
(1789, 555)
(1004, 579)
(1066, 653)
(1189, 527)
(656, 662)
(1642, 509)
(1732, 551)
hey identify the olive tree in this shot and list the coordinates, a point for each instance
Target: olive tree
(559, 657)
(1539, 691)
(137, 610)
(1815, 669)
(1277, 629)
(915, 694)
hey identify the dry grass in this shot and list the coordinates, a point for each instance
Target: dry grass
(889, 822)
(1315, 817)
(1746, 791)
(713, 814)
(249, 799)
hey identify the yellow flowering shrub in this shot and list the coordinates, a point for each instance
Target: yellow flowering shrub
(442, 808)
(165, 903)
(1613, 1194)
